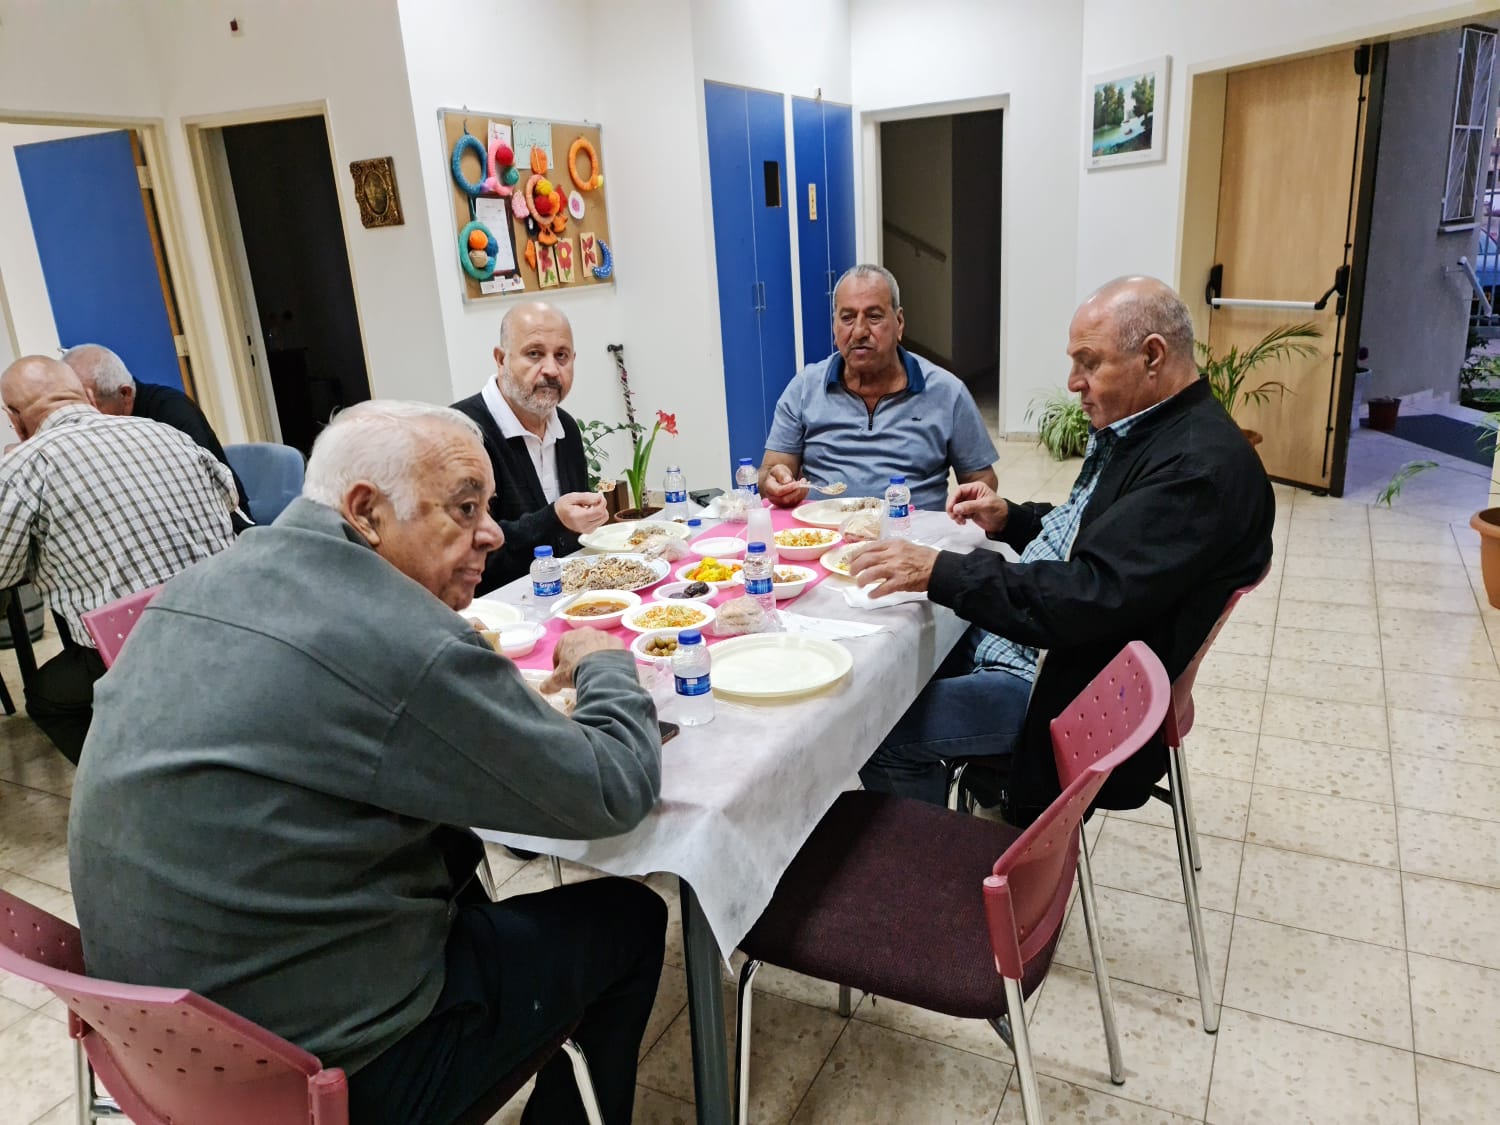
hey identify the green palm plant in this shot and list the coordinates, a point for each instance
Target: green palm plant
(1228, 373)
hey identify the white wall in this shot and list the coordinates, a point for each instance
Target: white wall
(20, 266)
(1024, 55)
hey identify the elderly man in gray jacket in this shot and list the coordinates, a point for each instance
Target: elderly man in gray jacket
(275, 794)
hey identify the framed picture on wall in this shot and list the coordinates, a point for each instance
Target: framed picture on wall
(1126, 115)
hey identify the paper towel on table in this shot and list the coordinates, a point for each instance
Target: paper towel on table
(859, 598)
(826, 626)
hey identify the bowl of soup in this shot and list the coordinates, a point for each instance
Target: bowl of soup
(598, 609)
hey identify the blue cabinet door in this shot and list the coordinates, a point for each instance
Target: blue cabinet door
(729, 176)
(838, 153)
(773, 248)
(83, 196)
(812, 204)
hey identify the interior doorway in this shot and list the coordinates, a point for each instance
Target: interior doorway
(940, 192)
(283, 267)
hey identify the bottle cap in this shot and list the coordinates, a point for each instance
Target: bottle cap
(756, 548)
(673, 469)
(898, 480)
(689, 637)
(694, 521)
(542, 553)
(746, 461)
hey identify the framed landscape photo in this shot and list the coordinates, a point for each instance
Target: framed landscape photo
(1126, 115)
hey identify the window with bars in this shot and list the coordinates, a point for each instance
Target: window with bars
(1467, 147)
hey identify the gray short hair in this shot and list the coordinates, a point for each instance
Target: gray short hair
(96, 364)
(380, 441)
(1151, 309)
(869, 269)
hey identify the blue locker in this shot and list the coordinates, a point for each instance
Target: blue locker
(823, 137)
(83, 196)
(752, 252)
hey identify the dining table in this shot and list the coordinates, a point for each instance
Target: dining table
(743, 792)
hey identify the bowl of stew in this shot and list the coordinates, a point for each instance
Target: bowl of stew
(598, 609)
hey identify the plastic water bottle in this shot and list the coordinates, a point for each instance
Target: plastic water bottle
(695, 526)
(546, 580)
(759, 529)
(674, 486)
(746, 477)
(897, 510)
(695, 700)
(759, 576)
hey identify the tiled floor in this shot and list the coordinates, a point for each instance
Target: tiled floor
(1346, 766)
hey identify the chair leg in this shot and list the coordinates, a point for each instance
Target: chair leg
(486, 876)
(556, 865)
(6, 702)
(1096, 953)
(846, 1001)
(83, 1081)
(1180, 820)
(591, 1111)
(1182, 786)
(742, 1042)
(1031, 1097)
(956, 786)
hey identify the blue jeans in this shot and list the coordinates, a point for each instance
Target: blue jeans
(963, 712)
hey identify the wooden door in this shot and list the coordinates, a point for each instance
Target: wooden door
(1286, 229)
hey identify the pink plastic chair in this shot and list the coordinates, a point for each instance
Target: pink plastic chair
(110, 624)
(166, 1054)
(881, 897)
(1178, 796)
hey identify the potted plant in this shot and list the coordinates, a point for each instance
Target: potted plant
(1487, 523)
(641, 443)
(1227, 373)
(1383, 412)
(1478, 376)
(1062, 426)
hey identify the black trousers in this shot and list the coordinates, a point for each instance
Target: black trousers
(519, 971)
(60, 697)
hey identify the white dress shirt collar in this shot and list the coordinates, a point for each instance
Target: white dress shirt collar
(543, 450)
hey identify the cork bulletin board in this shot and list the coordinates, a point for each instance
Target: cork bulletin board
(569, 246)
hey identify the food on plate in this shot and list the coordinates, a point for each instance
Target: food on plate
(744, 615)
(789, 576)
(645, 532)
(861, 504)
(670, 617)
(837, 560)
(609, 573)
(665, 547)
(693, 590)
(597, 607)
(861, 526)
(712, 570)
(804, 537)
(660, 646)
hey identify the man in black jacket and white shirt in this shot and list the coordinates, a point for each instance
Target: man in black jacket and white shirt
(536, 451)
(1170, 514)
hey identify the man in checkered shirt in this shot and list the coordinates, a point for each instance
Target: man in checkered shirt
(93, 508)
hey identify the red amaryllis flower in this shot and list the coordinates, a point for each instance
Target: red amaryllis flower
(667, 422)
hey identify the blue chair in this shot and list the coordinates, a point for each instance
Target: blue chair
(271, 474)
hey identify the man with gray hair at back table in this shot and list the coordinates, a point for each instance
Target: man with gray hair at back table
(535, 447)
(93, 508)
(274, 803)
(117, 392)
(1170, 514)
(873, 410)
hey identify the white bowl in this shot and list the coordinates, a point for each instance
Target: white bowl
(785, 590)
(577, 620)
(666, 591)
(519, 640)
(682, 575)
(632, 619)
(719, 546)
(638, 646)
(828, 539)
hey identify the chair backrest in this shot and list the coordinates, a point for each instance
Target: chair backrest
(110, 624)
(1026, 895)
(168, 1055)
(271, 473)
(1180, 715)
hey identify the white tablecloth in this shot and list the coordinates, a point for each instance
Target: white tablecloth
(741, 794)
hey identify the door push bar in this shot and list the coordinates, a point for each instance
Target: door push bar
(1212, 294)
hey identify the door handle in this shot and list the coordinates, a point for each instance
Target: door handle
(1340, 287)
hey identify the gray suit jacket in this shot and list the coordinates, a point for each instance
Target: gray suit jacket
(266, 804)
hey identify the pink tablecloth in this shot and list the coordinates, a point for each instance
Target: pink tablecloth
(781, 518)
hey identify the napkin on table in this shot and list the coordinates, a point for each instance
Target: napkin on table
(826, 626)
(859, 598)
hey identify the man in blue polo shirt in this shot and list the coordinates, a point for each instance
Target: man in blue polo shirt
(873, 410)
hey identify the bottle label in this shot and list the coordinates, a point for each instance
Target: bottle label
(756, 586)
(899, 511)
(676, 497)
(692, 685)
(546, 589)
